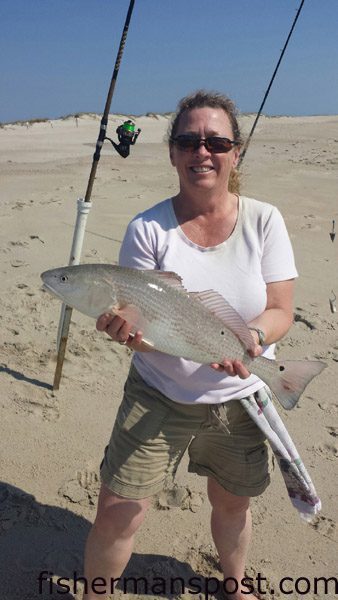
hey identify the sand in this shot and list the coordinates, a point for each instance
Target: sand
(52, 443)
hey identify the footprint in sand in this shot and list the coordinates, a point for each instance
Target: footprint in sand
(259, 512)
(83, 490)
(329, 451)
(325, 526)
(19, 205)
(19, 243)
(311, 226)
(18, 263)
(327, 407)
(78, 350)
(46, 412)
(46, 357)
(204, 559)
(332, 431)
(288, 342)
(179, 497)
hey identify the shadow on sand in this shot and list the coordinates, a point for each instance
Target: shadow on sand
(35, 537)
(21, 377)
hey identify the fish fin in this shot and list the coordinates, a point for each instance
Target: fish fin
(290, 378)
(165, 274)
(169, 277)
(230, 317)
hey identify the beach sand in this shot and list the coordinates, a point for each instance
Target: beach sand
(52, 443)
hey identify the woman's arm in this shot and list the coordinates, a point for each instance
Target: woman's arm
(277, 318)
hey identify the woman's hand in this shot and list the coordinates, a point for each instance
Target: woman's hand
(119, 331)
(275, 321)
(236, 367)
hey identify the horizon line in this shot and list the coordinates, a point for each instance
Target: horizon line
(150, 114)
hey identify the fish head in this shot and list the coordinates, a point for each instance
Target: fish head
(87, 288)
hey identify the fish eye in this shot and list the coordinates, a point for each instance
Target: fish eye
(63, 278)
(222, 332)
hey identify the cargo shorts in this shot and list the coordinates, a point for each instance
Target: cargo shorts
(151, 433)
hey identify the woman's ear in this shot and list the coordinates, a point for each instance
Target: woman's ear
(171, 155)
(237, 153)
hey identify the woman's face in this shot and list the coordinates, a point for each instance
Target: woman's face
(202, 169)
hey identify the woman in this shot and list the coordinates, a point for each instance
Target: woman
(214, 239)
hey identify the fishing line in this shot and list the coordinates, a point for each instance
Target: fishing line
(246, 145)
(127, 136)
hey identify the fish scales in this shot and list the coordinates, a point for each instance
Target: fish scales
(177, 323)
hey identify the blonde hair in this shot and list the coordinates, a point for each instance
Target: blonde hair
(234, 185)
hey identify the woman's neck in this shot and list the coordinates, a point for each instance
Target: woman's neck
(210, 225)
(191, 206)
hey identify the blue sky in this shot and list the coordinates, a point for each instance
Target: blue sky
(57, 56)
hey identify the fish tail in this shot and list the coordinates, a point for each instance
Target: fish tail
(289, 378)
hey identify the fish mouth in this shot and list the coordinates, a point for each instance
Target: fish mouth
(48, 288)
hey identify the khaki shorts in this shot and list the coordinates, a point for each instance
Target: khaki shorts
(151, 434)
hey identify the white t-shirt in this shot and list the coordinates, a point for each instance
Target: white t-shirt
(257, 252)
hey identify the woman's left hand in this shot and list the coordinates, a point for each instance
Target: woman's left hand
(274, 321)
(236, 367)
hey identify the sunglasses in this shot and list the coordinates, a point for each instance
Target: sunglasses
(214, 144)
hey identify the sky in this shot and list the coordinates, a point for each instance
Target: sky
(57, 56)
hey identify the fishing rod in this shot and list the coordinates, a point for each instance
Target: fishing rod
(127, 136)
(246, 145)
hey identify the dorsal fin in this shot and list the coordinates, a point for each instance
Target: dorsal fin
(230, 317)
(169, 277)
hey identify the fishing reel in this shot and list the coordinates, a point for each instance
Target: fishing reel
(127, 137)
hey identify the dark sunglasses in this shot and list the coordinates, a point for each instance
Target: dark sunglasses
(215, 144)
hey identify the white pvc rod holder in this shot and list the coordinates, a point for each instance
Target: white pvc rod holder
(83, 209)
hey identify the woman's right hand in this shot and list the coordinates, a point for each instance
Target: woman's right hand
(119, 331)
